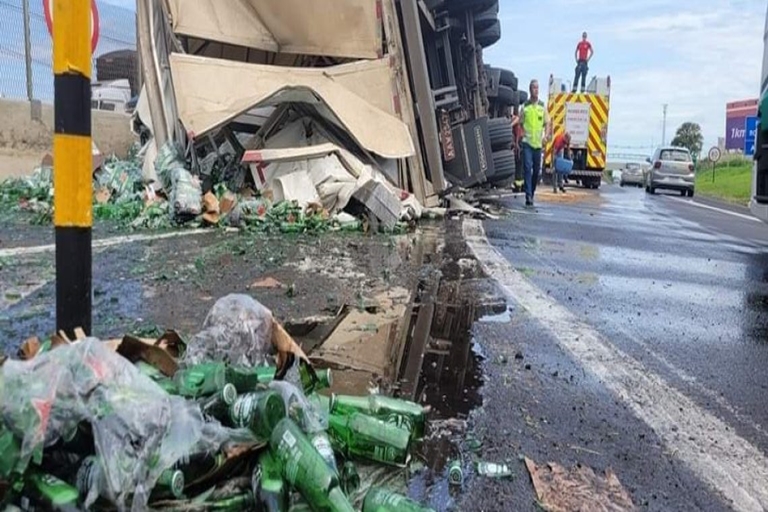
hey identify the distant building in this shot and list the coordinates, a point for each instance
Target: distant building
(736, 113)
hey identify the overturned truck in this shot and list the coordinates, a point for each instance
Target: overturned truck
(312, 100)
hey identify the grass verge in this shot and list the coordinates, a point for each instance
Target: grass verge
(732, 184)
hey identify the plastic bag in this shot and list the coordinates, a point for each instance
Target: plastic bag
(184, 190)
(299, 409)
(236, 331)
(138, 429)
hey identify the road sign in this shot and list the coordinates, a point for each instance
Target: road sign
(714, 154)
(750, 135)
(48, 10)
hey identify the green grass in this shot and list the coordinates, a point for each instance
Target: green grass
(732, 183)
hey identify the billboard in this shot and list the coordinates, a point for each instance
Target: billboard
(736, 114)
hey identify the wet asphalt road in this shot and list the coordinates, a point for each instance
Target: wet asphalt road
(673, 396)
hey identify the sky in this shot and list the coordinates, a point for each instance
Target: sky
(694, 55)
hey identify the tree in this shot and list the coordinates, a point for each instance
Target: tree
(689, 136)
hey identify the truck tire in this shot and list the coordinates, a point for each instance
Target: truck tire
(507, 97)
(522, 97)
(507, 78)
(501, 133)
(503, 165)
(486, 18)
(489, 36)
(464, 5)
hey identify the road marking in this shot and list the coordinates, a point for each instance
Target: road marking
(726, 462)
(713, 208)
(100, 244)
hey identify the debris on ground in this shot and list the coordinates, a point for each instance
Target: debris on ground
(559, 489)
(235, 419)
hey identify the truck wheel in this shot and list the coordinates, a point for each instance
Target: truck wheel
(489, 36)
(506, 77)
(486, 18)
(507, 97)
(503, 165)
(463, 5)
(501, 133)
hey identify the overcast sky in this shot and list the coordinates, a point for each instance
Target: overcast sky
(694, 55)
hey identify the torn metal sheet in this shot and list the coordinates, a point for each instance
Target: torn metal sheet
(334, 28)
(212, 92)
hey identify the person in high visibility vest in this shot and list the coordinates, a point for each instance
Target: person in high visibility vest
(535, 124)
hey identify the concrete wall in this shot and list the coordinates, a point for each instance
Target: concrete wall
(20, 132)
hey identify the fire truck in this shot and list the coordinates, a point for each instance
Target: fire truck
(585, 116)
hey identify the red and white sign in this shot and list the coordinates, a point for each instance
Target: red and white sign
(48, 10)
(577, 123)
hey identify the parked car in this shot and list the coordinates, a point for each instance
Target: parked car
(671, 169)
(632, 174)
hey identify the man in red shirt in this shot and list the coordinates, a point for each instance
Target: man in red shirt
(561, 147)
(583, 55)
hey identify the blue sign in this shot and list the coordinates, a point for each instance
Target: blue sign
(750, 135)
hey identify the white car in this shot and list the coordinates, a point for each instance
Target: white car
(632, 174)
(671, 169)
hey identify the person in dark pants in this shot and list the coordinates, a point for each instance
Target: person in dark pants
(534, 121)
(583, 55)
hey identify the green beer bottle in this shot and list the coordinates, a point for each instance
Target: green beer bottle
(237, 503)
(407, 414)
(350, 479)
(324, 380)
(322, 444)
(268, 486)
(201, 380)
(378, 499)
(302, 467)
(259, 411)
(157, 376)
(90, 475)
(219, 404)
(370, 438)
(10, 450)
(247, 379)
(50, 491)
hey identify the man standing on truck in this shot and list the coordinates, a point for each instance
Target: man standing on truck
(583, 55)
(534, 121)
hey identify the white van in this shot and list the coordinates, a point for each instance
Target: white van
(112, 96)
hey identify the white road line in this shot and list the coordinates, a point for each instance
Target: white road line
(726, 462)
(713, 208)
(100, 244)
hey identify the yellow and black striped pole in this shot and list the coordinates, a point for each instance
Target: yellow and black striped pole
(73, 188)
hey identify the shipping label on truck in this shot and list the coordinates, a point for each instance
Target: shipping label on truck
(585, 116)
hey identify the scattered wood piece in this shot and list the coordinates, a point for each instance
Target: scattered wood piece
(267, 282)
(80, 333)
(29, 348)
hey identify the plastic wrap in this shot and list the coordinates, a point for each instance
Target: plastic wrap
(138, 429)
(184, 190)
(237, 331)
(299, 409)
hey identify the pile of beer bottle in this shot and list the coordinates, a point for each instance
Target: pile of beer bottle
(305, 431)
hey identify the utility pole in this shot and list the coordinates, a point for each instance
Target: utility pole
(28, 49)
(664, 127)
(72, 180)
